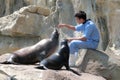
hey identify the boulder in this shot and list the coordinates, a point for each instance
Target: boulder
(94, 61)
(9, 44)
(35, 9)
(100, 63)
(23, 28)
(29, 72)
(5, 76)
(114, 19)
(26, 21)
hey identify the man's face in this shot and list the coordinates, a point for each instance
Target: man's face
(79, 21)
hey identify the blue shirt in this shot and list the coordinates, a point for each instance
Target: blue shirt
(89, 30)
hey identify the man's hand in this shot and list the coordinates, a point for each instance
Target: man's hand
(61, 25)
(77, 38)
(67, 26)
(69, 39)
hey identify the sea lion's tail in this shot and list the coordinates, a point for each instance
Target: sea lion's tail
(75, 72)
(41, 66)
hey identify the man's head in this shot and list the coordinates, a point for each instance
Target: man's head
(80, 17)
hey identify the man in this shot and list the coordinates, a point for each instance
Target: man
(89, 39)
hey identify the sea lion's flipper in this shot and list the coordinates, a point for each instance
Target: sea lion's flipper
(40, 67)
(75, 72)
(68, 68)
(67, 65)
(9, 60)
(6, 62)
(13, 77)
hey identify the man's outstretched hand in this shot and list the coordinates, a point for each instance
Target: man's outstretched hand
(61, 25)
(69, 39)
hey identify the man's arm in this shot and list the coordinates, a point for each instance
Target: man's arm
(67, 26)
(72, 28)
(77, 38)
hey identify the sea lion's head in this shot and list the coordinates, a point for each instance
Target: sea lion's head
(55, 34)
(64, 49)
(64, 42)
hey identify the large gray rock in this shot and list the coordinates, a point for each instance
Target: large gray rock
(23, 28)
(9, 44)
(102, 64)
(94, 61)
(5, 76)
(26, 21)
(28, 72)
(114, 44)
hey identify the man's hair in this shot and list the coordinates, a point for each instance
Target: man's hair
(81, 14)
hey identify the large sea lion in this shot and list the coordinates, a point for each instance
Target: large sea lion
(35, 53)
(57, 60)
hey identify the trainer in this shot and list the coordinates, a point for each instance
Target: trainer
(90, 37)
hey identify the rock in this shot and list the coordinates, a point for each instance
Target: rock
(114, 44)
(9, 44)
(94, 61)
(43, 11)
(65, 7)
(35, 9)
(2, 8)
(114, 65)
(9, 6)
(26, 21)
(114, 69)
(102, 64)
(23, 28)
(86, 76)
(4, 57)
(5, 76)
(28, 72)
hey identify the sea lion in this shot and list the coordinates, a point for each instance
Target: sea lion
(57, 60)
(37, 52)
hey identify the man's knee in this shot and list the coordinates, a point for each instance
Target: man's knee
(72, 43)
(76, 43)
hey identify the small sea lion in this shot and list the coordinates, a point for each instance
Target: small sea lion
(57, 60)
(35, 53)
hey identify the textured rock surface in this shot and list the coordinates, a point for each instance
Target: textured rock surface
(94, 62)
(22, 28)
(28, 25)
(28, 72)
(105, 13)
(26, 21)
(102, 64)
(114, 27)
(9, 6)
(10, 44)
